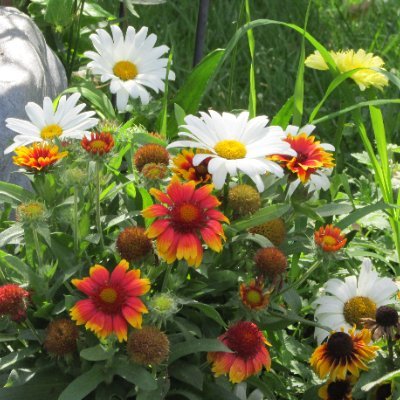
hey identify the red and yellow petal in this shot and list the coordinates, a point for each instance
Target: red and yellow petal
(160, 196)
(133, 317)
(238, 371)
(120, 328)
(156, 210)
(83, 311)
(157, 228)
(85, 285)
(99, 274)
(211, 239)
(119, 272)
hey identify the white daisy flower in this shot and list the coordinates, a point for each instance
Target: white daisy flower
(352, 299)
(46, 123)
(131, 63)
(234, 143)
(312, 165)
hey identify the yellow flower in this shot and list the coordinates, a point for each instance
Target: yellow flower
(348, 60)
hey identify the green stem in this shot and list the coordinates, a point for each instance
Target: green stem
(309, 272)
(98, 215)
(29, 324)
(76, 226)
(37, 247)
(166, 278)
(390, 351)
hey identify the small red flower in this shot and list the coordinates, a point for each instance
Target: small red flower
(13, 301)
(329, 238)
(253, 295)
(189, 215)
(248, 356)
(113, 300)
(100, 143)
(38, 157)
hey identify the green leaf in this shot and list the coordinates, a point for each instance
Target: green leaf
(179, 115)
(195, 346)
(385, 378)
(328, 210)
(359, 213)
(13, 232)
(96, 353)
(12, 358)
(135, 374)
(207, 310)
(93, 9)
(84, 384)
(261, 216)
(282, 118)
(14, 194)
(188, 373)
(252, 75)
(59, 12)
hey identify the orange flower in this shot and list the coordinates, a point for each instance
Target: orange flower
(100, 143)
(253, 296)
(248, 356)
(189, 213)
(310, 156)
(38, 157)
(329, 238)
(343, 354)
(183, 167)
(113, 300)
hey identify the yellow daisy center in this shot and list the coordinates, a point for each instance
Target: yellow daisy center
(108, 295)
(125, 70)
(329, 240)
(188, 212)
(230, 149)
(358, 307)
(253, 296)
(50, 132)
(98, 144)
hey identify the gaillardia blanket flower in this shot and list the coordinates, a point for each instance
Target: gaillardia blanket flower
(249, 354)
(131, 63)
(113, 300)
(353, 299)
(343, 354)
(234, 143)
(336, 390)
(329, 238)
(98, 144)
(189, 215)
(46, 123)
(38, 157)
(183, 167)
(348, 60)
(312, 162)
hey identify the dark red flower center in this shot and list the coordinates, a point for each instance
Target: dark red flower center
(109, 299)
(338, 390)
(187, 217)
(386, 316)
(244, 338)
(340, 345)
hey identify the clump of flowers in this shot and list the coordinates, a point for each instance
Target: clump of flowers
(183, 167)
(274, 231)
(254, 296)
(248, 352)
(13, 302)
(148, 346)
(329, 238)
(244, 200)
(46, 123)
(31, 212)
(348, 60)
(61, 337)
(311, 165)
(133, 244)
(131, 63)
(113, 300)
(234, 144)
(38, 157)
(271, 262)
(343, 354)
(150, 153)
(189, 215)
(98, 144)
(348, 302)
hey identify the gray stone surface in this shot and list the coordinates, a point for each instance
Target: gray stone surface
(29, 71)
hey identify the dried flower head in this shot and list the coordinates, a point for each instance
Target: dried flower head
(150, 153)
(148, 346)
(274, 231)
(31, 212)
(61, 337)
(271, 261)
(133, 244)
(244, 200)
(13, 301)
(155, 172)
